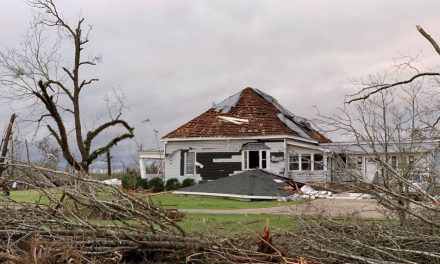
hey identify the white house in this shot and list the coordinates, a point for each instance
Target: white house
(249, 130)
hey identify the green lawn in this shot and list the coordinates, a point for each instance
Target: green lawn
(30, 196)
(207, 224)
(235, 224)
(173, 201)
(169, 201)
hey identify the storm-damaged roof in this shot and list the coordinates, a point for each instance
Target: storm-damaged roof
(252, 184)
(249, 112)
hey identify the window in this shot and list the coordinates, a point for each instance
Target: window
(253, 159)
(405, 162)
(190, 160)
(394, 162)
(293, 162)
(359, 161)
(411, 162)
(263, 159)
(354, 163)
(318, 162)
(306, 162)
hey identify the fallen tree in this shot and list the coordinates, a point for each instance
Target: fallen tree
(69, 218)
(351, 240)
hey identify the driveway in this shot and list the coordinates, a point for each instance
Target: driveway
(366, 208)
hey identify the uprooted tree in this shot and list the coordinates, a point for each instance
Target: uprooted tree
(53, 87)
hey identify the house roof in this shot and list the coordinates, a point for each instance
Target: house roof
(249, 112)
(393, 147)
(252, 184)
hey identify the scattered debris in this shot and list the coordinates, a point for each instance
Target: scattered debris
(351, 196)
(265, 244)
(113, 181)
(309, 192)
(238, 121)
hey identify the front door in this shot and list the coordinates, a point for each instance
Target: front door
(254, 159)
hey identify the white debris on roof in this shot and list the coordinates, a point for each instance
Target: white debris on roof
(292, 125)
(238, 121)
(226, 105)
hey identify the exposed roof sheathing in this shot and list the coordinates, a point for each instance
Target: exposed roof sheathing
(264, 115)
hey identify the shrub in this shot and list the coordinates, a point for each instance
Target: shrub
(130, 182)
(172, 184)
(144, 184)
(156, 184)
(188, 182)
(203, 181)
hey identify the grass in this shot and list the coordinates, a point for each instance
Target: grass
(31, 196)
(235, 224)
(167, 201)
(173, 201)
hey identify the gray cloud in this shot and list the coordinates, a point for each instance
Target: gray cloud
(174, 58)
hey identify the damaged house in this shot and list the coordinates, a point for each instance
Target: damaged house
(251, 130)
(248, 130)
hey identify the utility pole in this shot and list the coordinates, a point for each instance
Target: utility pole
(27, 151)
(109, 164)
(123, 166)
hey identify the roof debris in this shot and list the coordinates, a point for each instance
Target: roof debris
(226, 105)
(238, 121)
(292, 125)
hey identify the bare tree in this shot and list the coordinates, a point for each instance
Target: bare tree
(391, 138)
(53, 87)
(371, 89)
(49, 152)
(392, 127)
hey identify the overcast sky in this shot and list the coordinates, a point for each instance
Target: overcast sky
(174, 58)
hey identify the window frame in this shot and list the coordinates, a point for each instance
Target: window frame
(354, 160)
(298, 156)
(320, 163)
(185, 170)
(307, 161)
(310, 161)
(245, 159)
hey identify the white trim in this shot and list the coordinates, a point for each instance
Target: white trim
(184, 163)
(239, 138)
(260, 159)
(229, 195)
(365, 143)
(315, 147)
(299, 161)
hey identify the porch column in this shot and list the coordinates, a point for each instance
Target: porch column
(142, 168)
(286, 159)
